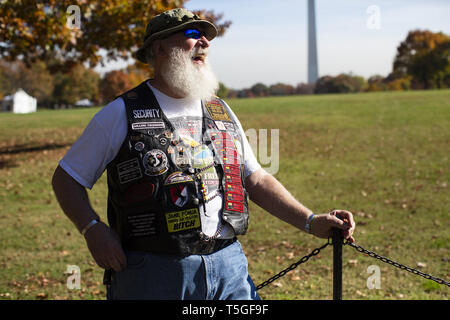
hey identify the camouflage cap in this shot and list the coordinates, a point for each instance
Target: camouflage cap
(170, 22)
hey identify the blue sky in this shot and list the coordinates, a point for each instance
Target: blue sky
(267, 41)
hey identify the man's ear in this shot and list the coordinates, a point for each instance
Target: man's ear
(159, 49)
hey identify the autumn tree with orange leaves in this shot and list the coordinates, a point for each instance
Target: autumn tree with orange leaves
(44, 30)
(424, 57)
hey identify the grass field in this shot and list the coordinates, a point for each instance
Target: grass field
(383, 156)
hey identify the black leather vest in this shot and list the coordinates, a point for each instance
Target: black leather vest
(156, 182)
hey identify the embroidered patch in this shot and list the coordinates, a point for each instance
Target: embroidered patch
(148, 125)
(142, 224)
(230, 153)
(155, 162)
(183, 220)
(234, 206)
(217, 111)
(229, 126)
(234, 188)
(129, 170)
(235, 197)
(232, 179)
(177, 177)
(139, 192)
(179, 194)
(232, 169)
(145, 113)
(139, 146)
(132, 95)
(220, 125)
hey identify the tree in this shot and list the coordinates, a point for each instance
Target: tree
(80, 83)
(38, 30)
(113, 84)
(305, 88)
(281, 89)
(424, 56)
(342, 83)
(36, 80)
(137, 74)
(376, 83)
(223, 91)
(260, 90)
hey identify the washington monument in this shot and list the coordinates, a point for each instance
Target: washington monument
(313, 69)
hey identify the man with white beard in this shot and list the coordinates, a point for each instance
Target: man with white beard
(180, 172)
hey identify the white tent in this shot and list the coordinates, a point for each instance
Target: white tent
(19, 102)
(83, 103)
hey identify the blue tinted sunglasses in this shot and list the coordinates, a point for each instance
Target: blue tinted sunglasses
(193, 34)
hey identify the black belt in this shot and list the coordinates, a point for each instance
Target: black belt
(181, 247)
(212, 245)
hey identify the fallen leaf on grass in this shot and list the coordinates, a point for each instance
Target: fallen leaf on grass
(290, 255)
(42, 295)
(278, 284)
(421, 264)
(352, 262)
(295, 278)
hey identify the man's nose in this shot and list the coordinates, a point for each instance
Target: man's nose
(203, 42)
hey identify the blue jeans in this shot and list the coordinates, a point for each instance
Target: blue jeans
(222, 275)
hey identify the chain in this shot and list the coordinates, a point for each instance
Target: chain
(396, 264)
(293, 266)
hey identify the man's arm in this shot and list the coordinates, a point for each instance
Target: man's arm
(101, 240)
(272, 196)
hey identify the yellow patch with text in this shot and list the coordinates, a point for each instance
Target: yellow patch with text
(183, 220)
(217, 111)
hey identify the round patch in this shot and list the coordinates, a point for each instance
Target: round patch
(139, 146)
(155, 162)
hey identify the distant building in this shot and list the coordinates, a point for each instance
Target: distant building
(84, 103)
(19, 102)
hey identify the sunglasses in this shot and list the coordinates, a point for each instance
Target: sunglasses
(193, 34)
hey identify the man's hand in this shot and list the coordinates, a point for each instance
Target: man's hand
(105, 247)
(322, 224)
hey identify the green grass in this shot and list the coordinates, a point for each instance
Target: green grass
(383, 156)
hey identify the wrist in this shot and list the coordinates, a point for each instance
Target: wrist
(88, 227)
(309, 221)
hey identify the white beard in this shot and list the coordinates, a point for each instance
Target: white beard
(187, 79)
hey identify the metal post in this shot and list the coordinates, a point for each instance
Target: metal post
(337, 264)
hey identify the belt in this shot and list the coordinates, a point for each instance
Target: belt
(212, 245)
(193, 244)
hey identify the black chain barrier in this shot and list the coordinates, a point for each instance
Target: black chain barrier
(292, 266)
(396, 264)
(359, 249)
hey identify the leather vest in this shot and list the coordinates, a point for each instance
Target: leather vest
(157, 181)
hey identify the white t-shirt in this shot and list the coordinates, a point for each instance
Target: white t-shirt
(103, 137)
